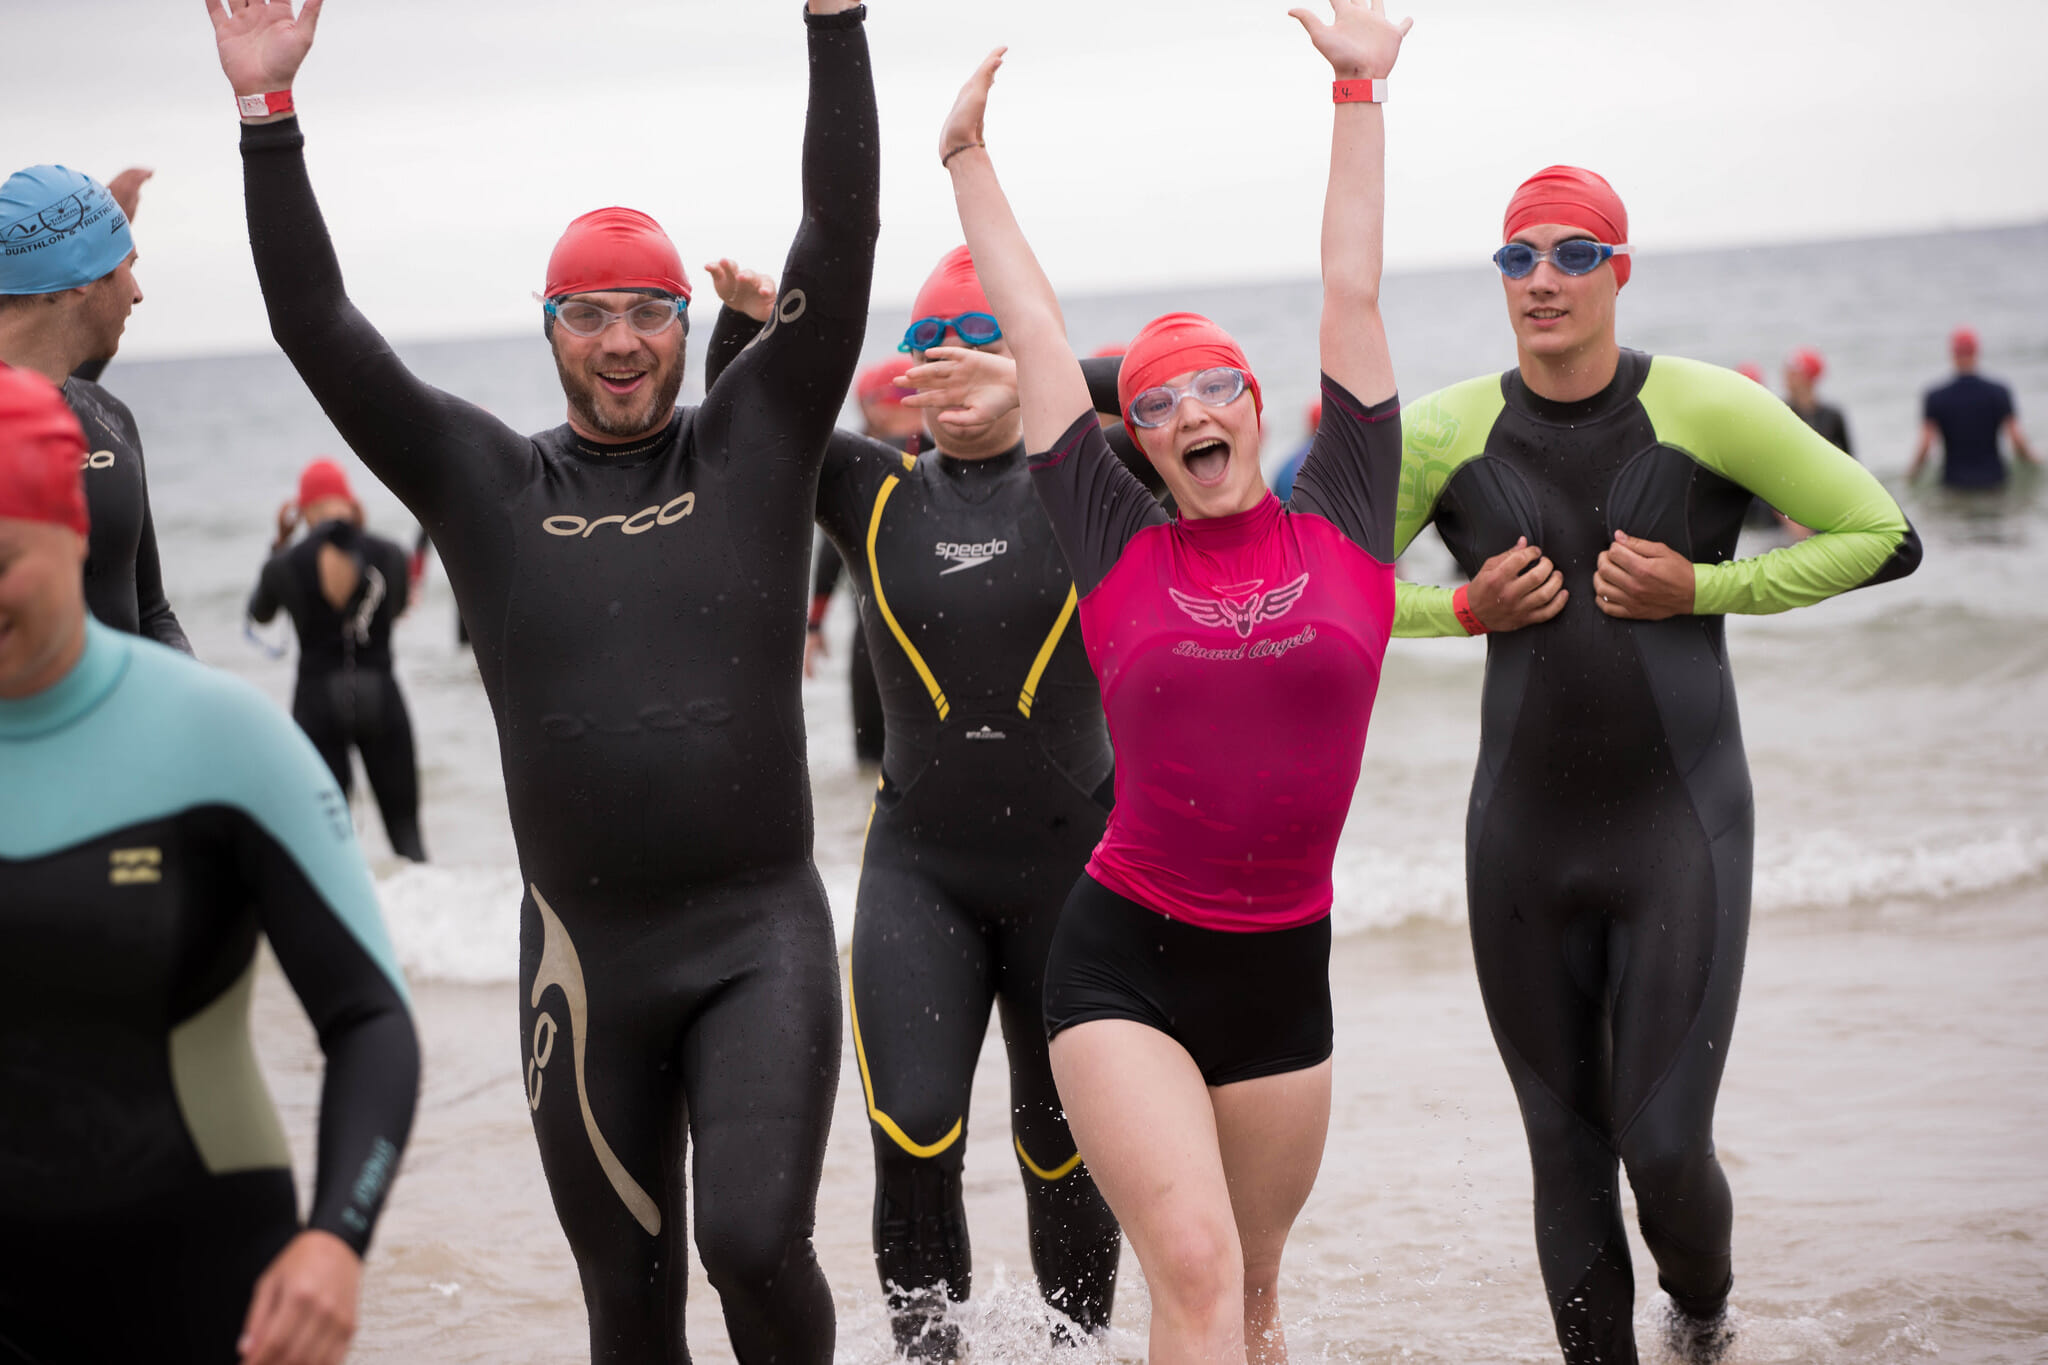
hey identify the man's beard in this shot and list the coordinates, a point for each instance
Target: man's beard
(583, 392)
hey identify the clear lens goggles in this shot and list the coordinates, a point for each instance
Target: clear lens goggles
(1574, 256)
(976, 329)
(1216, 388)
(587, 319)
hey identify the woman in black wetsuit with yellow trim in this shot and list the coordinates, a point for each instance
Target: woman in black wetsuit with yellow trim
(995, 785)
(634, 585)
(1595, 495)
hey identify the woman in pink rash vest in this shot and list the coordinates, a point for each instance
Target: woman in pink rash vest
(1187, 994)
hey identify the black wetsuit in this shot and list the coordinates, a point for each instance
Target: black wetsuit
(1827, 419)
(1969, 411)
(1609, 839)
(347, 695)
(124, 583)
(995, 785)
(638, 618)
(865, 695)
(156, 819)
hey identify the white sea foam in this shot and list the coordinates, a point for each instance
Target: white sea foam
(454, 923)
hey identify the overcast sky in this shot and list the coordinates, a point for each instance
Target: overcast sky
(1144, 142)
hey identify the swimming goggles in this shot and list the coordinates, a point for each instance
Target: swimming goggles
(1574, 256)
(587, 319)
(1217, 388)
(976, 329)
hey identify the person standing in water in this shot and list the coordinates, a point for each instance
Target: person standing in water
(344, 589)
(157, 819)
(1238, 646)
(1967, 416)
(1594, 495)
(634, 586)
(1803, 370)
(67, 286)
(994, 786)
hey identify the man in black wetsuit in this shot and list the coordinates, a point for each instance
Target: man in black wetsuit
(634, 585)
(158, 819)
(1967, 415)
(1595, 496)
(67, 285)
(344, 588)
(995, 785)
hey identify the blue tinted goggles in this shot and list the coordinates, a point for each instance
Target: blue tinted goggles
(976, 329)
(1574, 256)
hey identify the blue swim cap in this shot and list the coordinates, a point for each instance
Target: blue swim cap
(58, 230)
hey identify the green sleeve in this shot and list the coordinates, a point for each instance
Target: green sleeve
(1439, 432)
(1741, 431)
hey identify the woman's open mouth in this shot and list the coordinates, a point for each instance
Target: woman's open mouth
(1207, 461)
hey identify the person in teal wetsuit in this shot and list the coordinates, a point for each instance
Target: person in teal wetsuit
(1594, 495)
(156, 819)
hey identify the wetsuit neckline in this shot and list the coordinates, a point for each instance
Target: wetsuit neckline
(87, 684)
(992, 468)
(1621, 390)
(623, 455)
(1235, 531)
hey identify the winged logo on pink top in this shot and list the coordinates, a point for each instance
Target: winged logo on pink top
(1241, 606)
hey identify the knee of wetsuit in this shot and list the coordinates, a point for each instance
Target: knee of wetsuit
(744, 1256)
(920, 1225)
(1701, 1309)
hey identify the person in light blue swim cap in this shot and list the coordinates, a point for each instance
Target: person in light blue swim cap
(67, 285)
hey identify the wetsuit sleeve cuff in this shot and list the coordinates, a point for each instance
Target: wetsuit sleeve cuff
(849, 18)
(816, 619)
(1423, 611)
(282, 135)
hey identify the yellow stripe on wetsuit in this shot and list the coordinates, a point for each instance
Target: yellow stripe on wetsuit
(867, 1085)
(1058, 1172)
(882, 602)
(1030, 694)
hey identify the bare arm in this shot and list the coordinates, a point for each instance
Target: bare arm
(1361, 44)
(1928, 435)
(1051, 389)
(2019, 440)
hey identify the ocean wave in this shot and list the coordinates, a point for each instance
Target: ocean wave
(461, 924)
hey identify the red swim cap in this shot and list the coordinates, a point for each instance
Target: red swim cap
(615, 249)
(1751, 371)
(1963, 342)
(323, 478)
(1807, 361)
(1175, 344)
(42, 453)
(951, 289)
(1106, 351)
(877, 383)
(1315, 416)
(1576, 198)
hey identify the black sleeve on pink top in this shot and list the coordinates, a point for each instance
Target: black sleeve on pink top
(1352, 475)
(1095, 504)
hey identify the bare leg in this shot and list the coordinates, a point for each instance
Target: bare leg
(1272, 1130)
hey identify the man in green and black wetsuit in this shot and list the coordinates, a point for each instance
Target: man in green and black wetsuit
(1595, 495)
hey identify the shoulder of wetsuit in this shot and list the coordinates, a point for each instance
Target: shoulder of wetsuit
(855, 468)
(1440, 433)
(103, 405)
(1741, 431)
(182, 736)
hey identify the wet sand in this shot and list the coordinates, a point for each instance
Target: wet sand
(1888, 1210)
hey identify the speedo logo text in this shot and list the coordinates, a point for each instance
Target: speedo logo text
(967, 556)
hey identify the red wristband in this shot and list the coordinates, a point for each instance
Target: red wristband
(1467, 618)
(1358, 92)
(259, 106)
(816, 620)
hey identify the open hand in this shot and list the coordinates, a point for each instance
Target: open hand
(1360, 42)
(261, 44)
(1643, 580)
(1516, 588)
(962, 127)
(963, 387)
(743, 291)
(304, 1309)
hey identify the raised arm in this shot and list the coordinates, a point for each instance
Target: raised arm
(1361, 45)
(780, 396)
(397, 424)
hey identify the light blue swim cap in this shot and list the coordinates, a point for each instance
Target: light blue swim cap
(58, 230)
